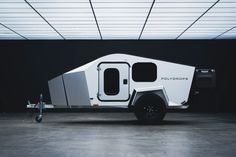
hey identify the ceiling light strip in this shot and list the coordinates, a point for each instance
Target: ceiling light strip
(146, 20)
(95, 19)
(14, 31)
(224, 32)
(197, 19)
(44, 18)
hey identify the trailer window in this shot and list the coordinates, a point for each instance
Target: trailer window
(144, 72)
(111, 81)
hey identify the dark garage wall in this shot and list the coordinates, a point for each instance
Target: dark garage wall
(26, 66)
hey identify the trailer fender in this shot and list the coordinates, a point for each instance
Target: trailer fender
(137, 93)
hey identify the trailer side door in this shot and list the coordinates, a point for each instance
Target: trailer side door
(113, 81)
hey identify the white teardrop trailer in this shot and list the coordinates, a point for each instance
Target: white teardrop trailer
(146, 86)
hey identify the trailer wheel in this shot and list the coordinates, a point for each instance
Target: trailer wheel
(38, 119)
(150, 108)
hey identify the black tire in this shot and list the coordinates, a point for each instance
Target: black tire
(38, 119)
(150, 109)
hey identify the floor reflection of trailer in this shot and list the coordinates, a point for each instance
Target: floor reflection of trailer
(146, 86)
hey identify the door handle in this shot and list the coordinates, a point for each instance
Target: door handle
(125, 81)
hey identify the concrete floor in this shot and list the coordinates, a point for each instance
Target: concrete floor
(117, 134)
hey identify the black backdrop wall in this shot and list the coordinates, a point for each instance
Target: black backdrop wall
(26, 66)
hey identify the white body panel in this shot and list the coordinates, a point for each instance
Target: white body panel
(176, 79)
(76, 89)
(57, 92)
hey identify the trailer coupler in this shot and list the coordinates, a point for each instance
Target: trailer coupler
(40, 106)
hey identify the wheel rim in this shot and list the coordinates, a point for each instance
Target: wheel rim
(150, 111)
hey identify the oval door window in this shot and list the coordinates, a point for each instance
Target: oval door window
(111, 81)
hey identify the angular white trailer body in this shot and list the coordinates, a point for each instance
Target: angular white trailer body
(115, 80)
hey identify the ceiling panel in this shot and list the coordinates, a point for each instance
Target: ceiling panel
(218, 20)
(117, 19)
(168, 19)
(74, 19)
(230, 34)
(18, 16)
(6, 34)
(121, 19)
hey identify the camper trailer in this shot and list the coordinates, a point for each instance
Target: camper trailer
(146, 86)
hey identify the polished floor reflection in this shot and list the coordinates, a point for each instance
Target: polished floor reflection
(117, 134)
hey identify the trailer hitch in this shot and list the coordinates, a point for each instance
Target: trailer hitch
(40, 106)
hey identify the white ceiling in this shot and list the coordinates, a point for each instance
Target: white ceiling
(117, 19)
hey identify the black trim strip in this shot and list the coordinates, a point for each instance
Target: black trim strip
(62, 76)
(44, 18)
(95, 18)
(14, 31)
(132, 98)
(146, 20)
(113, 63)
(225, 32)
(197, 19)
(113, 100)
